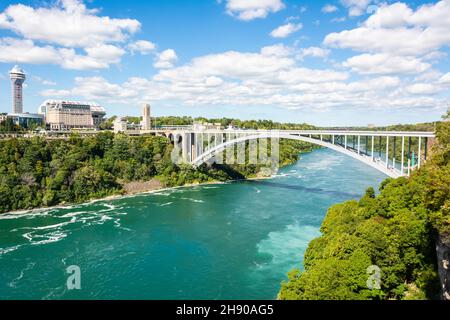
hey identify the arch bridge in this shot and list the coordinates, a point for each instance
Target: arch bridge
(395, 153)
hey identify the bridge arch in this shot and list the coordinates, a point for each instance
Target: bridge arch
(368, 160)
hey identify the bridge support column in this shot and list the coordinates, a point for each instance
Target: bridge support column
(198, 142)
(262, 151)
(219, 156)
(387, 152)
(275, 152)
(403, 155)
(241, 152)
(346, 140)
(253, 152)
(373, 148)
(420, 152)
(184, 146)
(359, 145)
(230, 149)
(379, 146)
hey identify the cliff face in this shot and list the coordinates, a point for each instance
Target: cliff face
(443, 255)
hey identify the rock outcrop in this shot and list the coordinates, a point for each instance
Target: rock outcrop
(443, 256)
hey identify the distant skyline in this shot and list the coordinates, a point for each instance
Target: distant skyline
(328, 63)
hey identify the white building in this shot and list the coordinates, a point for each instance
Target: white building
(200, 126)
(146, 123)
(18, 77)
(120, 125)
(66, 115)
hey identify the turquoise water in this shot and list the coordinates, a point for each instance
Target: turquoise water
(231, 241)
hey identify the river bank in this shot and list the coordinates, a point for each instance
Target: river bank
(148, 187)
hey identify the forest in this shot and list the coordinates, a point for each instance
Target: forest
(396, 231)
(38, 172)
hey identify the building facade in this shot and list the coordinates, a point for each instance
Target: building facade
(120, 125)
(204, 126)
(98, 115)
(18, 77)
(67, 115)
(27, 120)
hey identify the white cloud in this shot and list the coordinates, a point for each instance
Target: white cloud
(356, 7)
(166, 59)
(231, 64)
(278, 50)
(252, 9)
(43, 81)
(94, 88)
(398, 30)
(385, 64)
(423, 89)
(68, 23)
(329, 8)
(142, 46)
(107, 53)
(26, 51)
(286, 30)
(340, 19)
(271, 77)
(445, 79)
(67, 34)
(213, 81)
(99, 57)
(395, 15)
(314, 52)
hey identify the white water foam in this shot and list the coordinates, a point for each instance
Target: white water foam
(14, 282)
(48, 238)
(11, 216)
(9, 249)
(164, 204)
(286, 247)
(193, 200)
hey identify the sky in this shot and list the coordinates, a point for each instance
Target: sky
(328, 63)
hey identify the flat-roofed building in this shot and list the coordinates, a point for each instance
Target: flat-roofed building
(66, 115)
(27, 120)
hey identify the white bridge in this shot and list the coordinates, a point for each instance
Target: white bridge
(391, 152)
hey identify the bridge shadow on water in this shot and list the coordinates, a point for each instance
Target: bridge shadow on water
(301, 188)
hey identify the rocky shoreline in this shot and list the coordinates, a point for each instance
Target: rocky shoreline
(443, 256)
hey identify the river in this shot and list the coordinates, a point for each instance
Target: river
(228, 241)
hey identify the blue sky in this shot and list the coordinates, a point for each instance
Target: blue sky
(342, 62)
